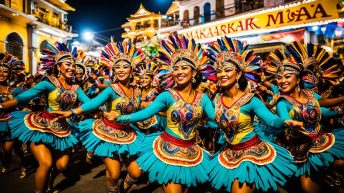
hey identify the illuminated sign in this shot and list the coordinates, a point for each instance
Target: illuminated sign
(283, 16)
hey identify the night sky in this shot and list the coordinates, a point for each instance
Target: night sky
(99, 15)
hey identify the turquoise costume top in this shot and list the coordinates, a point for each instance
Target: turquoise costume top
(311, 147)
(39, 126)
(153, 121)
(6, 114)
(182, 117)
(173, 155)
(105, 137)
(248, 156)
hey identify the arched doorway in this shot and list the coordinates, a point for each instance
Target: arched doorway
(14, 45)
(196, 15)
(207, 12)
(185, 17)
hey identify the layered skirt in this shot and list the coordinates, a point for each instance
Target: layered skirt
(106, 138)
(255, 161)
(168, 159)
(40, 127)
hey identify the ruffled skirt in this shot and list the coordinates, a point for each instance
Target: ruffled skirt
(107, 139)
(167, 159)
(257, 161)
(39, 127)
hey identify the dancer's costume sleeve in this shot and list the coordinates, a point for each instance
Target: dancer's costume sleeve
(263, 113)
(274, 89)
(42, 87)
(284, 107)
(161, 102)
(208, 107)
(82, 97)
(107, 94)
(17, 91)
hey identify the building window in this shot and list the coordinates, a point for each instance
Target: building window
(185, 21)
(14, 45)
(220, 5)
(207, 12)
(196, 15)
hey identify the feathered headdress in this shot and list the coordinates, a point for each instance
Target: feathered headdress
(55, 54)
(280, 60)
(227, 51)
(179, 48)
(317, 61)
(11, 62)
(121, 51)
(148, 67)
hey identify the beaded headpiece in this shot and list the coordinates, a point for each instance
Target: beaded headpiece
(281, 61)
(55, 54)
(230, 52)
(179, 48)
(317, 61)
(121, 51)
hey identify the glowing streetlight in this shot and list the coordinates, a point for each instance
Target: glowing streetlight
(88, 36)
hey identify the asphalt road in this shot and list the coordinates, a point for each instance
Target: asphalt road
(81, 177)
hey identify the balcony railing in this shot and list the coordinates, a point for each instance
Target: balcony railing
(53, 21)
(7, 3)
(226, 11)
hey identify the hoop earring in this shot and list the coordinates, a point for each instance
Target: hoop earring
(237, 84)
(193, 80)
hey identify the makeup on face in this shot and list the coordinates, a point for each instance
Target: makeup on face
(122, 70)
(67, 69)
(287, 81)
(226, 75)
(182, 73)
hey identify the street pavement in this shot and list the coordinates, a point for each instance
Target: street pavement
(81, 177)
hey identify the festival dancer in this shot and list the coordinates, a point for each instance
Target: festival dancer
(9, 66)
(50, 139)
(172, 158)
(108, 139)
(248, 161)
(311, 147)
(145, 73)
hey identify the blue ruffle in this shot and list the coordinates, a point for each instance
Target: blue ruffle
(265, 177)
(164, 173)
(317, 161)
(5, 133)
(23, 133)
(4, 126)
(106, 149)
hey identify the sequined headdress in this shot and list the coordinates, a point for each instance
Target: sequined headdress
(227, 51)
(115, 52)
(178, 48)
(149, 67)
(280, 60)
(317, 61)
(55, 54)
(11, 62)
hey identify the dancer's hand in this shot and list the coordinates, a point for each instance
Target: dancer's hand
(61, 114)
(111, 116)
(295, 124)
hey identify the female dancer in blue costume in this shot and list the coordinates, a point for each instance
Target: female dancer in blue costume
(108, 139)
(172, 158)
(311, 148)
(50, 138)
(8, 65)
(248, 161)
(146, 73)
